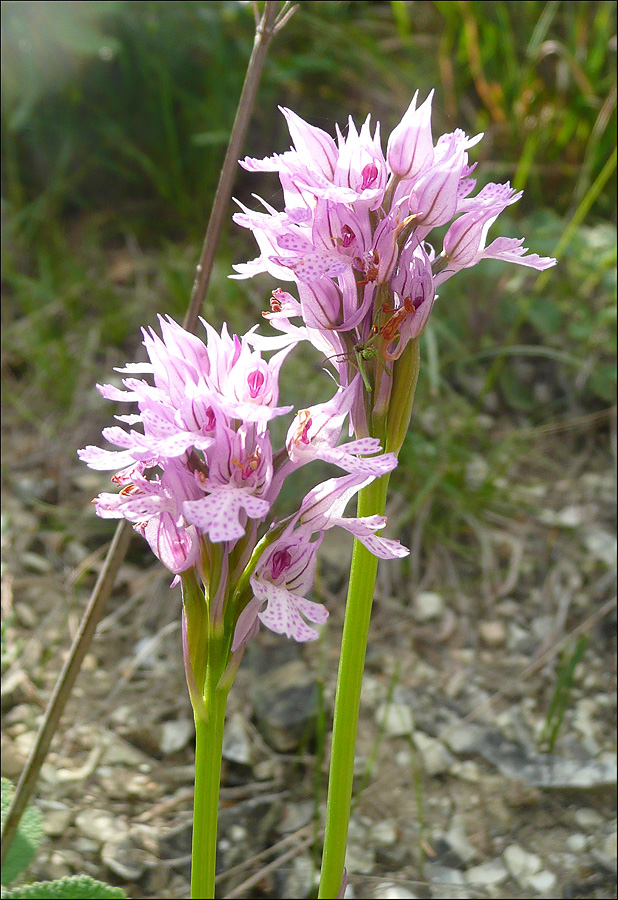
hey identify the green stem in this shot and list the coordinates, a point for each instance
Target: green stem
(371, 499)
(208, 749)
(391, 428)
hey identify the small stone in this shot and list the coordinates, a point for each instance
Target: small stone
(393, 892)
(100, 826)
(301, 878)
(57, 866)
(477, 471)
(543, 882)
(124, 860)
(447, 883)
(26, 615)
(236, 745)
(360, 858)
(175, 735)
(462, 738)
(457, 839)
(385, 832)
(492, 872)
(13, 759)
(521, 863)
(436, 758)
(584, 722)
(427, 606)
(56, 821)
(296, 815)
(284, 697)
(120, 752)
(467, 770)
(518, 638)
(577, 842)
(588, 818)
(601, 545)
(395, 718)
(493, 634)
(610, 846)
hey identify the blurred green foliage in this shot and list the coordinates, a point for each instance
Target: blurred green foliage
(115, 117)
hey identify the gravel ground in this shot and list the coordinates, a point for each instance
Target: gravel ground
(455, 795)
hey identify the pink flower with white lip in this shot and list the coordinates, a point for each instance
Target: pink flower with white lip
(282, 577)
(239, 475)
(327, 245)
(285, 571)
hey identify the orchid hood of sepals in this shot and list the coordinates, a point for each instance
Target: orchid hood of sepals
(410, 146)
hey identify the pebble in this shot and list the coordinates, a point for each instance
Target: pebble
(285, 703)
(457, 839)
(543, 882)
(610, 846)
(477, 471)
(56, 822)
(124, 860)
(467, 770)
(427, 606)
(517, 638)
(601, 545)
(236, 744)
(577, 842)
(492, 872)
(584, 722)
(385, 832)
(360, 858)
(296, 815)
(493, 633)
(462, 738)
(13, 759)
(521, 863)
(393, 892)
(301, 879)
(447, 883)
(58, 867)
(99, 825)
(588, 818)
(175, 735)
(436, 758)
(395, 718)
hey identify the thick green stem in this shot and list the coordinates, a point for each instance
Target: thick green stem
(208, 747)
(371, 499)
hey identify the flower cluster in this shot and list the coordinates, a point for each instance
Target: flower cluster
(200, 477)
(353, 235)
